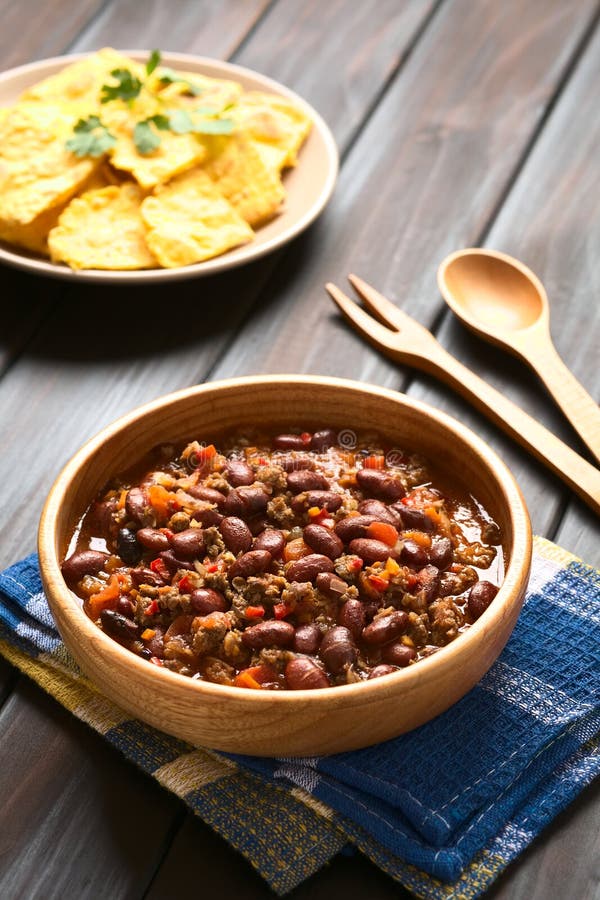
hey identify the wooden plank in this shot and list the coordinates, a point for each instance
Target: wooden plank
(206, 27)
(422, 179)
(32, 30)
(72, 808)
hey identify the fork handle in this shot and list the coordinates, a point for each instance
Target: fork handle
(572, 468)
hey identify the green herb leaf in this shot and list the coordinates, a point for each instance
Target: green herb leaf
(153, 62)
(180, 121)
(145, 137)
(90, 138)
(214, 126)
(127, 88)
(169, 76)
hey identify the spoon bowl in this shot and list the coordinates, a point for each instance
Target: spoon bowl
(504, 302)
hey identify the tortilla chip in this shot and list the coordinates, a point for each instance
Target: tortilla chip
(81, 81)
(175, 153)
(188, 221)
(37, 172)
(195, 90)
(102, 229)
(239, 171)
(276, 123)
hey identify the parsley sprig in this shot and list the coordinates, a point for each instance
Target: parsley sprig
(92, 138)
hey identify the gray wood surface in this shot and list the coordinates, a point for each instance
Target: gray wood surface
(458, 123)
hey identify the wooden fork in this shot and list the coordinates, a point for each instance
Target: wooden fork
(403, 339)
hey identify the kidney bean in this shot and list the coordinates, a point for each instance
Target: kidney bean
(480, 596)
(308, 567)
(246, 501)
(257, 524)
(414, 519)
(125, 607)
(323, 439)
(372, 551)
(189, 543)
(429, 582)
(118, 625)
(144, 575)
(331, 585)
(380, 511)
(352, 617)
(323, 540)
(371, 608)
(200, 492)
(380, 484)
(136, 505)
(239, 472)
(127, 547)
(270, 539)
(236, 534)
(206, 600)
(398, 654)
(290, 442)
(173, 562)
(100, 517)
(84, 562)
(250, 563)
(353, 527)
(156, 644)
(413, 555)
(338, 649)
(307, 638)
(272, 633)
(303, 674)
(328, 500)
(380, 670)
(152, 539)
(385, 628)
(208, 517)
(441, 553)
(305, 480)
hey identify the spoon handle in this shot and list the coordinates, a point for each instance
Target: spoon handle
(580, 409)
(572, 468)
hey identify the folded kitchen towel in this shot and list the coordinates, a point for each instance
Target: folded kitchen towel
(442, 809)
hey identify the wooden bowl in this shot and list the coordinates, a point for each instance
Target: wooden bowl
(286, 723)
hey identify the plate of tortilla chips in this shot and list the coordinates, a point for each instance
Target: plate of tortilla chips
(134, 166)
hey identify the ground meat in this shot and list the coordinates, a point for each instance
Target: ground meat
(418, 628)
(273, 476)
(475, 554)
(446, 619)
(348, 566)
(217, 482)
(264, 590)
(217, 671)
(179, 521)
(281, 512)
(274, 657)
(213, 541)
(455, 583)
(209, 632)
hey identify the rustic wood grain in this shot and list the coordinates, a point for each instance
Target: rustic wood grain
(32, 30)
(72, 808)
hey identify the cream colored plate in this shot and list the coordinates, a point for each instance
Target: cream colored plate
(308, 186)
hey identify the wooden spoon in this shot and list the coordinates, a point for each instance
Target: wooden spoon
(502, 300)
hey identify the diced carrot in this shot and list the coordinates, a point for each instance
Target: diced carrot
(147, 634)
(382, 531)
(204, 456)
(122, 499)
(161, 500)
(245, 679)
(375, 461)
(104, 599)
(419, 537)
(281, 610)
(314, 511)
(255, 676)
(391, 567)
(295, 550)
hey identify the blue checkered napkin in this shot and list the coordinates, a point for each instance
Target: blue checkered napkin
(443, 808)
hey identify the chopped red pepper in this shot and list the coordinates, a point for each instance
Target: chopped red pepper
(379, 583)
(167, 532)
(375, 461)
(212, 567)
(306, 437)
(159, 566)
(255, 612)
(152, 609)
(204, 455)
(185, 585)
(356, 564)
(156, 661)
(281, 610)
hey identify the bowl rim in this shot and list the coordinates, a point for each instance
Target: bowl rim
(511, 591)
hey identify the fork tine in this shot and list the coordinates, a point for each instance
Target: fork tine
(379, 305)
(362, 321)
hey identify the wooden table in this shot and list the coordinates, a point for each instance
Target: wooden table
(459, 123)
